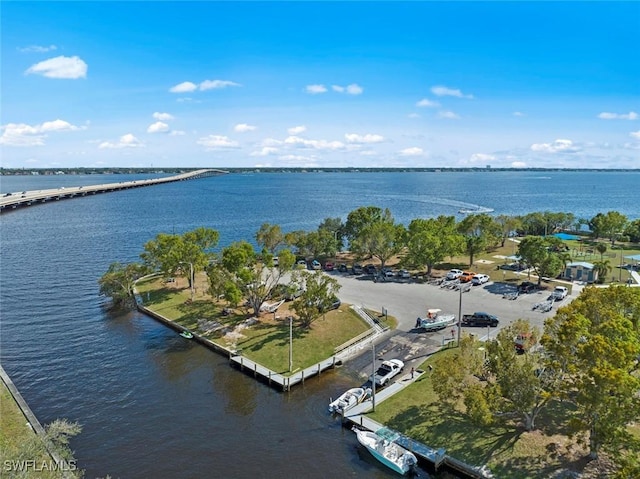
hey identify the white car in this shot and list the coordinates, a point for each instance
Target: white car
(404, 274)
(480, 279)
(454, 274)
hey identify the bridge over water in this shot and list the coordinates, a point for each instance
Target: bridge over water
(11, 201)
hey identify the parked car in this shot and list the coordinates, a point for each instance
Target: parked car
(559, 293)
(466, 276)
(370, 269)
(387, 272)
(480, 279)
(315, 264)
(276, 261)
(404, 274)
(357, 269)
(454, 274)
(386, 371)
(301, 263)
(328, 266)
(342, 268)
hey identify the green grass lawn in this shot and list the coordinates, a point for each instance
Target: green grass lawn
(265, 342)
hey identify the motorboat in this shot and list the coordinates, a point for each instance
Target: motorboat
(385, 450)
(349, 399)
(435, 320)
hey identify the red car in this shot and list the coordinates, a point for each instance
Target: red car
(328, 266)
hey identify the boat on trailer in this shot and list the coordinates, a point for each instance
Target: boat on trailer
(385, 450)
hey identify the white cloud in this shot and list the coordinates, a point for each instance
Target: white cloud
(316, 144)
(518, 164)
(125, 141)
(243, 128)
(21, 134)
(184, 87)
(60, 67)
(216, 142)
(271, 142)
(368, 138)
(518, 113)
(296, 130)
(414, 151)
(557, 146)
(632, 115)
(158, 127)
(635, 134)
(353, 89)
(316, 89)
(426, 103)
(448, 115)
(37, 49)
(163, 116)
(216, 84)
(482, 157)
(265, 151)
(446, 91)
(177, 133)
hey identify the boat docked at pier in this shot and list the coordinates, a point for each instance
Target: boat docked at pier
(385, 450)
(349, 399)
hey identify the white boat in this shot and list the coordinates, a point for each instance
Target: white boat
(349, 399)
(386, 451)
(435, 321)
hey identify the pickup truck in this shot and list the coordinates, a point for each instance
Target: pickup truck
(479, 319)
(559, 293)
(386, 371)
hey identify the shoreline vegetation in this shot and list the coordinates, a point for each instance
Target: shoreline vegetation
(520, 414)
(248, 169)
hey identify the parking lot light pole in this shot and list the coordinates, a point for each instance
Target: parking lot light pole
(460, 315)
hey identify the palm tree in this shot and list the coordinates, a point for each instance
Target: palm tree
(602, 249)
(601, 269)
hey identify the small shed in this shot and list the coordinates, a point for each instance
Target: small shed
(581, 271)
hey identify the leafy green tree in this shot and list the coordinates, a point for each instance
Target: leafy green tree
(452, 375)
(270, 237)
(320, 291)
(360, 218)
(319, 244)
(508, 226)
(608, 225)
(522, 382)
(480, 232)
(254, 277)
(335, 227)
(602, 268)
(538, 252)
(602, 249)
(430, 241)
(632, 230)
(174, 254)
(118, 282)
(382, 239)
(594, 342)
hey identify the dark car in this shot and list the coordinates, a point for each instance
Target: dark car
(357, 269)
(370, 269)
(342, 268)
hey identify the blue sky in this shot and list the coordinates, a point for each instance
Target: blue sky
(320, 84)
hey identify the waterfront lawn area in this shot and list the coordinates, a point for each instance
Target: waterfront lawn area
(17, 440)
(266, 341)
(507, 449)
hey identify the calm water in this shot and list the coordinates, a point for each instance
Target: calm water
(154, 405)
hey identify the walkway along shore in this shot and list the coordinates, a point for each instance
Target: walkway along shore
(356, 415)
(11, 201)
(62, 464)
(273, 378)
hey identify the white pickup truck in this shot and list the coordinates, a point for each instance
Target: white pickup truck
(559, 293)
(386, 371)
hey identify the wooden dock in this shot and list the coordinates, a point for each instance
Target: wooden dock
(12, 201)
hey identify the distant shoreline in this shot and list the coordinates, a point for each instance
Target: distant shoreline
(130, 171)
